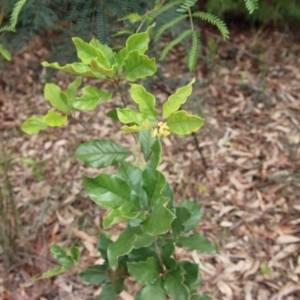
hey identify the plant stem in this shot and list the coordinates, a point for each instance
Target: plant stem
(191, 19)
(157, 250)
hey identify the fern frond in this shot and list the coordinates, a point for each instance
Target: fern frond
(213, 20)
(14, 16)
(102, 26)
(186, 5)
(132, 18)
(182, 36)
(251, 5)
(193, 53)
(168, 25)
(5, 53)
(162, 9)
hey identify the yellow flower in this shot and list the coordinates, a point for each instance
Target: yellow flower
(162, 129)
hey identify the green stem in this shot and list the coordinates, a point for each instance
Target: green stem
(157, 250)
(191, 19)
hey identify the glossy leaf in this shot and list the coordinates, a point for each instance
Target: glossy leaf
(73, 87)
(34, 125)
(146, 101)
(53, 119)
(110, 191)
(101, 153)
(86, 52)
(182, 123)
(155, 157)
(146, 141)
(136, 128)
(174, 285)
(107, 51)
(96, 274)
(75, 68)
(195, 210)
(107, 292)
(174, 101)
(138, 66)
(159, 221)
(60, 255)
(91, 96)
(167, 251)
(57, 97)
(153, 291)
(119, 215)
(103, 243)
(128, 115)
(191, 275)
(123, 245)
(138, 41)
(182, 216)
(143, 240)
(196, 242)
(145, 272)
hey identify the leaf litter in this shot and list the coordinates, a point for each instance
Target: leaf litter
(249, 190)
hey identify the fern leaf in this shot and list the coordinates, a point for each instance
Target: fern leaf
(213, 20)
(182, 36)
(168, 25)
(5, 53)
(193, 53)
(162, 9)
(251, 5)
(132, 18)
(14, 16)
(186, 5)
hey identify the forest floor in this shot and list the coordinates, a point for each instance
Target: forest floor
(249, 188)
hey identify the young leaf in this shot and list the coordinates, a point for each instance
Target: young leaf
(34, 125)
(195, 209)
(128, 115)
(61, 256)
(155, 157)
(174, 285)
(159, 220)
(5, 53)
(75, 253)
(91, 96)
(123, 245)
(145, 272)
(145, 101)
(107, 51)
(174, 101)
(136, 128)
(110, 191)
(53, 119)
(182, 123)
(53, 272)
(96, 66)
(100, 154)
(154, 290)
(57, 97)
(73, 87)
(146, 141)
(86, 52)
(137, 65)
(96, 274)
(75, 68)
(196, 242)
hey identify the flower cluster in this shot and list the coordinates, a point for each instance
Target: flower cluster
(162, 129)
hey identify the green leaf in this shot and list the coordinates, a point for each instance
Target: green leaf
(91, 96)
(110, 191)
(153, 291)
(146, 141)
(136, 128)
(138, 41)
(100, 154)
(196, 242)
(34, 125)
(5, 53)
(143, 240)
(138, 66)
(53, 119)
(159, 220)
(195, 210)
(75, 68)
(107, 51)
(61, 256)
(153, 183)
(75, 253)
(73, 87)
(128, 115)
(201, 297)
(174, 285)
(57, 97)
(182, 216)
(155, 157)
(103, 243)
(53, 272)
(182, 123)
(145, 101)
(174, 101)
(107, 293)
(119, 215)
(96, 66)
(191, 276)
(96, 275)
(145, 272)
(167, 251)
(122, 246)
(86, 52)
